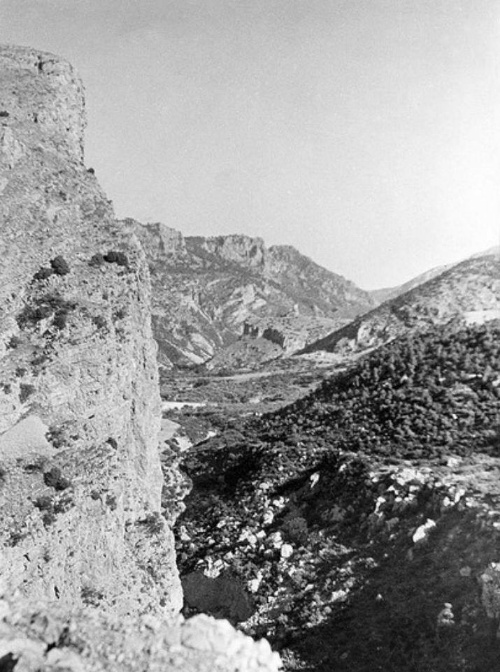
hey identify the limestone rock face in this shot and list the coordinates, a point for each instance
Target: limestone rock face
(88, 579)
(33, 638)
(81, 479)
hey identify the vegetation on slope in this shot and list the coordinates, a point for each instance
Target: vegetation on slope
(314, 510)
(420, 396)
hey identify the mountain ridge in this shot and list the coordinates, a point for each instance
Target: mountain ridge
(468, 287)
(209, 292)
(386, 293)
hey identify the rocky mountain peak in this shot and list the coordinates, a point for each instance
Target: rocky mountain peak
(237, 248)
(51, 110)
(158, 239)
(209, 292)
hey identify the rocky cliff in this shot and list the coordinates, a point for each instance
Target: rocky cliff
(207, 292)
(82, 531)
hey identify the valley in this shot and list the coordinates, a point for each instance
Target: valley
(218, 455)
(342, 517)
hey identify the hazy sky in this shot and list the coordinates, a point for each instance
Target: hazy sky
(363, 132)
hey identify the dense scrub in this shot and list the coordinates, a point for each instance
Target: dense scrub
(421, 396)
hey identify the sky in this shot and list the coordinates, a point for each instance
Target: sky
(366, 133)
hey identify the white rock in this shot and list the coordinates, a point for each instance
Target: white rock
(286, 551)
(314, 478)
(253, 585)
(276, 539)
(453, 462)
(268, 517)
(422, 532)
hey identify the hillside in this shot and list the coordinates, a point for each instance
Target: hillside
(361, 523)
(421, 396)
(469, 291)
(388, 293)
(207, 292)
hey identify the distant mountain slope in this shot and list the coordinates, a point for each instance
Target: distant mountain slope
(387, 293)
(469, 291)
(209, 291)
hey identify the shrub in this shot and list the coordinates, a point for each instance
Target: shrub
(43, 273)
(111, 502)
(14, 342)
(115, 257)
(99, 321)
(60, 265)
(30, 315)
(96, 260)
(50, 304)
(154, 523)
(56, 436)
(54, 479)
(60, 320)
(90, 596)
(25, 391)
(34, 467)
(120, 314)
(44, 503)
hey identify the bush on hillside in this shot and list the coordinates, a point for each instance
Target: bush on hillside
(420, 396)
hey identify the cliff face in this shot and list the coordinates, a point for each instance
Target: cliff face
(88, 579)
(79, 402)
(207, 292)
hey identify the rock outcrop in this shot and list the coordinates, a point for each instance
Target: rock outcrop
(82, 532)
(80, 407)
(34, 638)
(207, 291)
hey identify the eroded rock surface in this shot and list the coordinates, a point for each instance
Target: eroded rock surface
(82, 532)
(36, 638)
(79, 392)
(207, 292)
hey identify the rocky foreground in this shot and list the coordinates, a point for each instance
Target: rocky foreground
(88, 572)
(358, 528)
